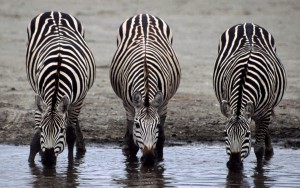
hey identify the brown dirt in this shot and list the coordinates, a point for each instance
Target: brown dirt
(194, 113)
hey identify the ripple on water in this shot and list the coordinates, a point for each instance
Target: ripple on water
(192, 165)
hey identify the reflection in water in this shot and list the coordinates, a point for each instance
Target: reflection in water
(236, 179)
(184, 166)
(49, 177)
(260, 179)
(142, 176)
(239, 179)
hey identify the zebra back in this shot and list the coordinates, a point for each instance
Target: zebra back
(58, 60)
(144, 60)
(248, 69)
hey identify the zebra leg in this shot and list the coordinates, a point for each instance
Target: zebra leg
(260, 139)
(269, 148)
(73, 119)
(35, 146)
(79, 139)
(129, 149)
(71, 138)
(161, 139)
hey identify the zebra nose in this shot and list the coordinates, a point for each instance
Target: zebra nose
(148, 150)
(48, 157)
(235, 162)
(148, 158)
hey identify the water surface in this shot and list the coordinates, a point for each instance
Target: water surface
(183, 166)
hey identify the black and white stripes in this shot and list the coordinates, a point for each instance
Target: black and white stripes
(145, 74)
(249, 81)
(61, 70)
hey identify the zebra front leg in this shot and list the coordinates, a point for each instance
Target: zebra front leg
(71, 138)
(269, 148)
(35, 146)
(260, 139)
(80, 146)
(161, 139)
(73, 120)
(259, 150)
(130, 149)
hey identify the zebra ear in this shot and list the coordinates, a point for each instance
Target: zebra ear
(63, 106)
(41, 106)
(137, 99)
(158, 99)
(249, 110)
(225, 109)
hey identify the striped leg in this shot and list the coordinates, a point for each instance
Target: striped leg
(161, 139)
(35, 146)
(70, 138)
(79, 139)
(129, 149)
(260, 139)
(73, 117)
(269, 148)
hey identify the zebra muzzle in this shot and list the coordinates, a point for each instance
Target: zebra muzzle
(148, 157)
(235, 162)
(48, 157)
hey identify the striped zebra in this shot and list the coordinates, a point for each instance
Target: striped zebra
(61, 69)
(145, 74)
(249, 81)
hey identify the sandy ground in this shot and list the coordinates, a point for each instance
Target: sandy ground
(194, 113)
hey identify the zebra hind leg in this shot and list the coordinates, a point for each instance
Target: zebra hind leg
(161, 139)
(35, 146)
(269, 148)
(71, 138)
(129, 149)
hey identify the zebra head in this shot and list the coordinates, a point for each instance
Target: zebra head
(53, 129)
(146, 125)
(237, 134)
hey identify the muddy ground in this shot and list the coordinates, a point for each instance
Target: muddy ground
(194, 113)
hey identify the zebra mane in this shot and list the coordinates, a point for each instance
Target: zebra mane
(146, 72)
(242, 84)
(249, 32)
(59, 61)
(54, 99)
(146, 69)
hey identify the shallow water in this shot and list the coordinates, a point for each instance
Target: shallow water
(193, 165)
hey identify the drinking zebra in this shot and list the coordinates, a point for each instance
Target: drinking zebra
(249, 81)
(61, 69)
(145, 74)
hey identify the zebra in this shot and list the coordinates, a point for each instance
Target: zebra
(60, 69)
(249, 80)
(145, 74)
